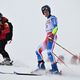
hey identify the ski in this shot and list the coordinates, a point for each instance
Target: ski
(20, 73)
(6, 72)
(30, 74)
(45, 72)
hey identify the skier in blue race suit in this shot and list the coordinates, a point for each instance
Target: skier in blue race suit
(49, 42)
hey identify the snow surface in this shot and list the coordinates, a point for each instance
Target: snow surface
(29, 32)
(73, 72)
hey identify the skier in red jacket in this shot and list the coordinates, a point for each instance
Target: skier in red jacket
(4, 30)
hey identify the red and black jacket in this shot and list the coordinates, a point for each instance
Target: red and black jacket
(4, 28)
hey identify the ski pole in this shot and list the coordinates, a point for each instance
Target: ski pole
(59, 58)
(62, 61)
(65, 49)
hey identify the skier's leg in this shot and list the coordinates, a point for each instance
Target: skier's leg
(40, 58)
(7, 60)
(51, 57)
(3, 52)
(5, 55)
(39, 55)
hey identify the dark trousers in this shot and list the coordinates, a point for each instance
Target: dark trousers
(2, 49)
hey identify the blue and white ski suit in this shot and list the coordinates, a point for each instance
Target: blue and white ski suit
(49, 42)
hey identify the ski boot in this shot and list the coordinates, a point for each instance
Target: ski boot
(41, 65)
(7, 62)
(54, 69)
(41, 68)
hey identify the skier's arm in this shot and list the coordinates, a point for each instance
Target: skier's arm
(55, 29)
(54, 22)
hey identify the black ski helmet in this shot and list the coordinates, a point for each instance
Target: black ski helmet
(1, 15)
(46, 7)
